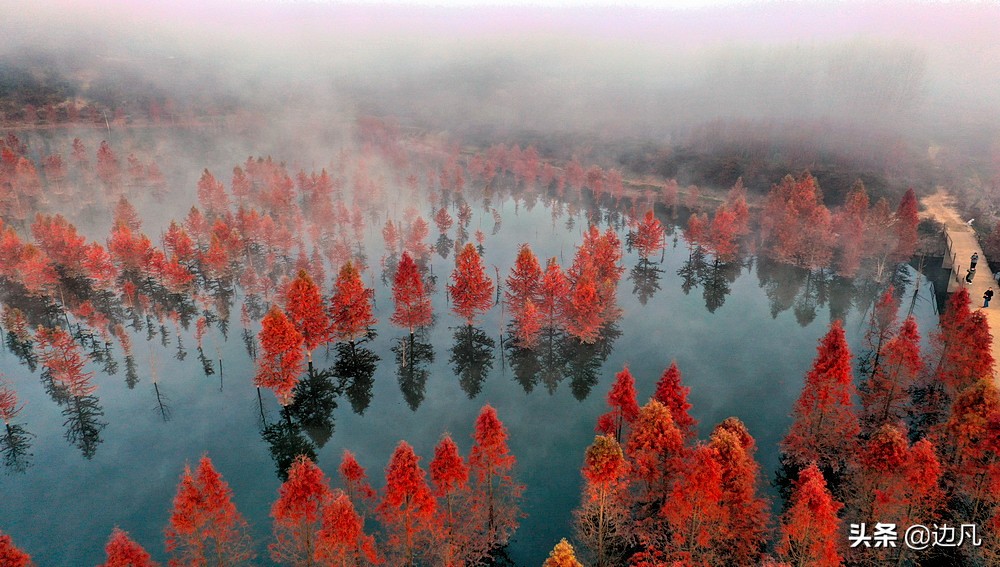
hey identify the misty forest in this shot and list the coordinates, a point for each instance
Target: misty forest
(323, 284)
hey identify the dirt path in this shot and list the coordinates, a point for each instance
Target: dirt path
(962, 243)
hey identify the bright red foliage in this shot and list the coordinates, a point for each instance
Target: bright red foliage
(583, 310)
(304, 305)
(407, 507)
(602, 521)
(280, 362)
(885, 397)
(795, 225)
(649, 235)
(10, 555)
(524, 281)
(450, 477)
(623, 404)
(695, 513)
(354, 478)
(342, 540)
(722, 234)
(9, 407)
(351, 306)
(810, 529)
(413, 303)
(298, 512)
(471, 291)
(205, 527)
(825, 425)
(673, 395)
(495, 493)
(553, 292)
(654, 449)
(61, 357)
(122, 551)
(212, 195)
(744, 534)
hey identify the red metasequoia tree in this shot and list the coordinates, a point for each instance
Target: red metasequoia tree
(825, 425)
(602, 520)
(907, 219)
(413, 303)
(443, 220)
(524, 281)
(298, 513)
(970, 448)
(696, 232)
(355, 481)
(810, 530)
(10, 555)
(795, 225)
(849, 224)
(881, 326)
(885, 397)
(9, 407)
(528, 325)
(450, 476)
(962, 345)
(407, 507)
(623, 404)
(471, 290)
(280, 362)
(583, 310)
(671, 393)
(305, 309)
(212, 195)
(562, 555)
(341, 541)
(62, 359)
(694, 513)
(122, 551)
(351, 306)
(746, 526)
(654, 448)
(649, 235)
(205, 527)
(553, 291)
(722, 234)
(495, 492)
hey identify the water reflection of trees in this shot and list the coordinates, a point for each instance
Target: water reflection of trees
(715, 277)
(558, 356)
(413, 355)
(285, 441)
(645, 278)
(15, 448)
(472, 358)
(315, 398)
(354, 368)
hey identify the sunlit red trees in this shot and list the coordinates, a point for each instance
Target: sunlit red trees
(694, 512)
(524, 280)
(298, 513)
(407, 507)
(795, 225)
(205, 527)
(810, 529)
(825, 425)
(654, 447)
(122, 551)
(722, 234)
(745, 529)
(495, 493)
(410, 297)
(350, 307)
(212, 194)
(355, 480)
(9, 407)
(471, 290)
(602, 520)
(885, 397)
(553, 290)
(11, 555)
(583, 309)
(306, 311)
(623, 404)
(672, 394)
(962, 345)
(342, 540)
(280, 362)
(450, 477)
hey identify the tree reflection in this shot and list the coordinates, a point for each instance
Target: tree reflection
(717, 279)
(412, 357)
(444, 245)
(692, 270)
(645, 278)
(524, 362)
(583, 361)
(472, 358)
(83, 423)
(781, 283)
(286, 442)
(354, 368)
(15, 447)
(315, 398)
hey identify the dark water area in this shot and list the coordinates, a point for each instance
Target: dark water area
(743, 335)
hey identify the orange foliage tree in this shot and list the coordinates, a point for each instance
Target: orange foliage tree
(672, 394)
(122, 551)
(602, 520)
(305, 309)
(351, 306)
(11, 555)
(342, 540)
(810, 529)
(413, 303)
(562, 555)
(623, 404)
(495, 497)
(280, 363)
(407, 507)
(471, 290)
(298, 513)
(205, 527)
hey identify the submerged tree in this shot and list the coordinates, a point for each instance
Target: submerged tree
(305, 309)
(407, 507)
(413, 303)
(623, 404)
(351, 307)
(495, 493)
(122, 551)
(298, 513)
(471, 290)
(280, 362)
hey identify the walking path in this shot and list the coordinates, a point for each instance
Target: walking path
(962, 243)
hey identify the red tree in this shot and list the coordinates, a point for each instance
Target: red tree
(122, 551)
(342, 540)
(602, 520)
(623, 404)
(413, 303)
(298, 513)
(583, 310)
(351, 306)
(672, 394)
(407, 507)
(746, 525)
(471, 290)
(810, 529)
(849, 224)
(9, 407)
(553, 291)
(694, 512)
(524, 281)
(528, 325)
(562, 555)
(654, 449)
(795, 225)
(212, 195)
(963, 345)
(355, 480)
(205, 527)
(62, 359)
(280, 363)
(304, 305)
(649, 235)
(450, 476)
(885, 397)
(825, 425)
(722, 234)
(10, 555)
(495, 493)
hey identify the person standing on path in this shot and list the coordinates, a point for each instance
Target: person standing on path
(987, 297)
(974, 260)
(969, 275)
